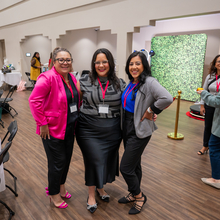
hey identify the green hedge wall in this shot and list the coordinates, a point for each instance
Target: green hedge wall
(178, 63)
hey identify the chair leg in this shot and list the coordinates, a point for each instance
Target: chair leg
(14, 111)
(12, 190)
(10, 211)
(2, 123)
(10, 108)
(8, 111)
(15, 186)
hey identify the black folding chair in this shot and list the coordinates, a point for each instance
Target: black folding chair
(12, 130)
(1, 122)
(29, 79)
(1, 93)
(4, 102)
(84, 72)
(3, 152)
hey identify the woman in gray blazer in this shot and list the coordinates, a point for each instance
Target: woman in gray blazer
(143, 97)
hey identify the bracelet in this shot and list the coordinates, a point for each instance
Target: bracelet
(149, 111)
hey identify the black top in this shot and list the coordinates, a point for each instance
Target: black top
(71, 117)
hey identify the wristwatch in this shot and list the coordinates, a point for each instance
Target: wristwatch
(149, 111)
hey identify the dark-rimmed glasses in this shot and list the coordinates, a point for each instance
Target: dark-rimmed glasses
(62, 61)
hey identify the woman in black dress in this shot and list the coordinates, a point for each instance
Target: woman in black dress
(99, 133)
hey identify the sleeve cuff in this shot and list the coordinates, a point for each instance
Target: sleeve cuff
(155, 109)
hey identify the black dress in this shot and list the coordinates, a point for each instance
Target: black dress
(98, 134)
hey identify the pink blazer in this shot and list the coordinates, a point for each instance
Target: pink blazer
(48, 103)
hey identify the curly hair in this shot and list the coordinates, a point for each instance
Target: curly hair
(142, 77)
(212, 68)
(113, 79)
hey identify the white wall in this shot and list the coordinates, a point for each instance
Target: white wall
(83, 43)
(1, 54)
(193, 25)
(108, 41)
(53, 18)
(35, 44)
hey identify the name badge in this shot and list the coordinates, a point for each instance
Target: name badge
(103, 108)
(73, 107)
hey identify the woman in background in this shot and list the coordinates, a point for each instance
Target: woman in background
(214, 141)
(35, 66)
(98, 131)
(50, 63)
(54, 104)
(143, 97)
(211, 84)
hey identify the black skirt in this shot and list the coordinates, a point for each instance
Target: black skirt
(99, 140)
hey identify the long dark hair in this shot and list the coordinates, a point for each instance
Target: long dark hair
(212, 68)
(38, 58)
(142, 77)
(113, 79)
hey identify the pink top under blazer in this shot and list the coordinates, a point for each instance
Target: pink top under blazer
(48, 103)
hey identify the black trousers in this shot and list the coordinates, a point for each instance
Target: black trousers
(209, 113)
(59, 153)
(131, 160)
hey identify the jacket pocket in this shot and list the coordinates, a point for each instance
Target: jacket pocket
(52, 117)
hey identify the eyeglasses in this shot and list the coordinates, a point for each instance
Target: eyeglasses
(105, 62)
(218, 61)
(136, 63)
(62, 61)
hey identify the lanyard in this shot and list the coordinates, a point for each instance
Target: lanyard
(127, 93)
(69, 86)
(103, 91)
(217, 84)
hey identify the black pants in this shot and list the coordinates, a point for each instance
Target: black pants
(131, 160)
(209, 112)
(59, 153)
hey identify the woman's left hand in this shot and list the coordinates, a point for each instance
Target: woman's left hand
(147, 115)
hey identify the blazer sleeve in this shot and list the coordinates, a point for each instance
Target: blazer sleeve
(161, 95)
(210, 99)
(205, 86)
(38, 98)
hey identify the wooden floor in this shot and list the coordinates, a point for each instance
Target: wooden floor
(171, 174)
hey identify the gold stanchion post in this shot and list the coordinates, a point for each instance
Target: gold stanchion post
(175, 135)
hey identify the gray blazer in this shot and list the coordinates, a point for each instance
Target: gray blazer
(213, 101)
(151, 94)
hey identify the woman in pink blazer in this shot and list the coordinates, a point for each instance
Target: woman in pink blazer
(54, 104)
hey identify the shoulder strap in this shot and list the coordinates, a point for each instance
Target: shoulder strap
(212, 82)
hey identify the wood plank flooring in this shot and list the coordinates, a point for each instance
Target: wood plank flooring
(171, 174)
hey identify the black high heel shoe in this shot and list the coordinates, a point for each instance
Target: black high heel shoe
(127, 199)
(91, 208)
(205, 151)
(104, 198)
(137, 208)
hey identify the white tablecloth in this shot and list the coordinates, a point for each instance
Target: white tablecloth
(12, 78)
(2, 176)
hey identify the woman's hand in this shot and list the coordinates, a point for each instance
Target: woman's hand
(147, 115)
(155, 117)
(44, 132)
(199, 92)
(202, 110)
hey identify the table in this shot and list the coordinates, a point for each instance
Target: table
(2, 176)
(12, 78)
